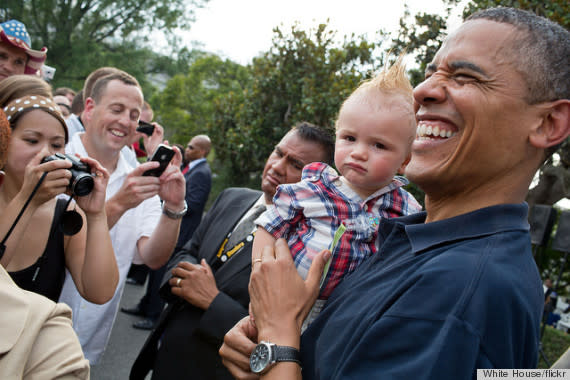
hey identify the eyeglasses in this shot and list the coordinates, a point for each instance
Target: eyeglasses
(189, 146)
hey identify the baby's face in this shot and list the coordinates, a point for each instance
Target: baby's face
(373, 140)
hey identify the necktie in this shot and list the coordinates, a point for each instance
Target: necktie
(239, 234)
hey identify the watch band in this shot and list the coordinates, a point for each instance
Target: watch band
(286, 354)
(173, 214)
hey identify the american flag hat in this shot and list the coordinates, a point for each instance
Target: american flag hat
(15, 33)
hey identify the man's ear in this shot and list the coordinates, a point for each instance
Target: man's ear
(89, 105)
(555, 126)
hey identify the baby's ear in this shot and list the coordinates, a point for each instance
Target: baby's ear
(555, 126)
(402, 167)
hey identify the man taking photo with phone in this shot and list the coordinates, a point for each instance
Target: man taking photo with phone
(134, 215)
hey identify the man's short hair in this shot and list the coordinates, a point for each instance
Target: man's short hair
(93, 77)
(101, 84)
(316, 134)
(541, 53)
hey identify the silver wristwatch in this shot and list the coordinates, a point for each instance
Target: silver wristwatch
(266, 354)
(173, 214)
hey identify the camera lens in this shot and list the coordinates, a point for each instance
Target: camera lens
(82, 184)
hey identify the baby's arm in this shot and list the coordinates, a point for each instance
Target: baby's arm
(262, 238)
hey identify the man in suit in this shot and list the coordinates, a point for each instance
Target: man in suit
(208, 292)
(198, 178)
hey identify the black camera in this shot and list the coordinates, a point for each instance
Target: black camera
(81, 182)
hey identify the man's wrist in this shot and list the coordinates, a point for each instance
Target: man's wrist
(282, 336)
(174, 212)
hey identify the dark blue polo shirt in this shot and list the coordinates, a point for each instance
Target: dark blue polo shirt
(437, 301)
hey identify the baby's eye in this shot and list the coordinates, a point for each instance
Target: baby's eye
(379, 146)
(349, 138)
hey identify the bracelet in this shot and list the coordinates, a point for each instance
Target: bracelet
(174, 214)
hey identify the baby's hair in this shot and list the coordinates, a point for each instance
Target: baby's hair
(392, 80)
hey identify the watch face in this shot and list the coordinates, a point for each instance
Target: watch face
(260, 358)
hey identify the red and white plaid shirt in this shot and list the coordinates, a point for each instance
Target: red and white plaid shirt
(308, 213)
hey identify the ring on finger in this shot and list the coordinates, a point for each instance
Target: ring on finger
(256, 261)
(178, 281)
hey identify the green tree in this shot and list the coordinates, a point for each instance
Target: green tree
(186, 106)
(82, 35)
(304, 76)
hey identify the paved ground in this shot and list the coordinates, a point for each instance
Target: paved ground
(125, 341)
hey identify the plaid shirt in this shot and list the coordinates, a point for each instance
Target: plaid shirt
(309, 212)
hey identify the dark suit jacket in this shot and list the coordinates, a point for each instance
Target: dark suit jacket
(191, 337)
(198, 185)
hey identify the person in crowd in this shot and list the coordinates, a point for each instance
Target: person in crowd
(135, 217)
(16, 53)
(207, 288)
(375, 129)
(198, 186)
(39, 261)
(147, 115)
(454, 288)
(64, 105)
(37, 338)
(77, 104)
(65, 91)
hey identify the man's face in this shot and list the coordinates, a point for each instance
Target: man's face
(111, 122)
(12, 60)
(286, 162)
(193, 151)
(473, 99)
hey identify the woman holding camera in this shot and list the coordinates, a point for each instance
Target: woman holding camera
(37, 251)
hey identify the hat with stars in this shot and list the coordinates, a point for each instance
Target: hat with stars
(14, 33)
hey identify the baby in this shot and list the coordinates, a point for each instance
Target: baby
(374, 132)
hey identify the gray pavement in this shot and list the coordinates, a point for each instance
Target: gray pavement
(125, 342)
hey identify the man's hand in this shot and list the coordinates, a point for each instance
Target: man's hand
(172, 184)
(194, 283)
(280, 298)
(136, 187)
(238, 345)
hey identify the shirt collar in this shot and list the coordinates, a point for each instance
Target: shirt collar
(485, 221)
(193, 164)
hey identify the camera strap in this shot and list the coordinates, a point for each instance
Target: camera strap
(2, 243)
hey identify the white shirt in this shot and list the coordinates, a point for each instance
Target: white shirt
(92, 322)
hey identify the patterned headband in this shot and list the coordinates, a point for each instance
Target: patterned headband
(18, 107)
